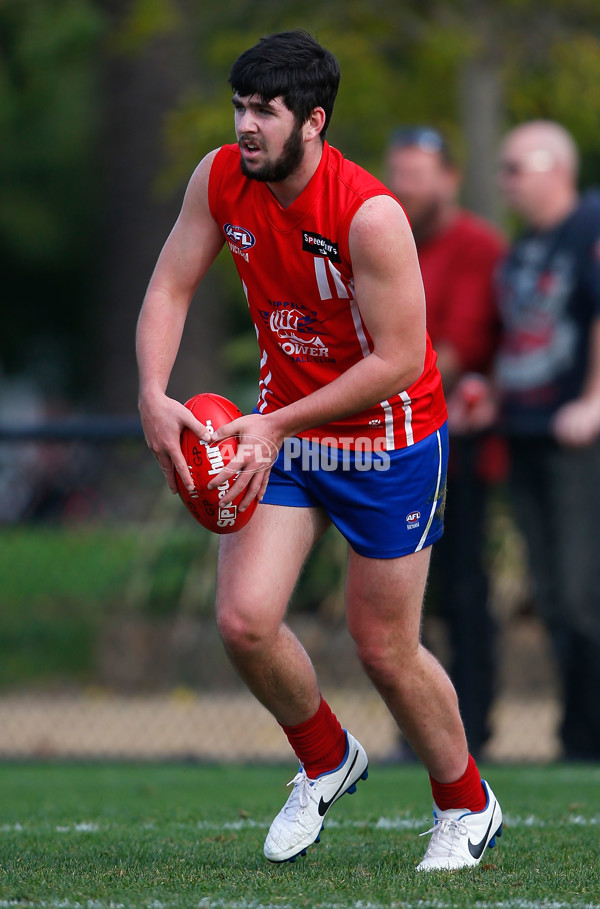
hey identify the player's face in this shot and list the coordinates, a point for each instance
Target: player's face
(422, 184)
(269, 137)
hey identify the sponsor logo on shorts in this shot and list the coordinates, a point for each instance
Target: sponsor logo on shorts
(413, 519)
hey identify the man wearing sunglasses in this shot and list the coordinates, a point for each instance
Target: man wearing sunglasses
(548, 379)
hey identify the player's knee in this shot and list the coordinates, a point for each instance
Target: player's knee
(379, 660)
(241, 632)
(386, 658)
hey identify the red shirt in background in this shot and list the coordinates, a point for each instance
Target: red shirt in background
(457, 265)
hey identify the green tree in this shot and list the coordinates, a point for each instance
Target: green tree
(468, 67)
(471, 68)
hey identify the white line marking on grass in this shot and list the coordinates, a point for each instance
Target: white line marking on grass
(572, 820)
(60, 904)
(383, 823)
(83, 827)
(512, 821)
(401, 823)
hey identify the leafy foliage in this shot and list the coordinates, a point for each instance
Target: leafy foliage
(554, 88)
(401, 63)
(47, 121)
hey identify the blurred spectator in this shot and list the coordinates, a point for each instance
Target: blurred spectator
(458, 253)
(548, 377)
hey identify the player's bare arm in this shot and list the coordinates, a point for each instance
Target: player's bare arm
(190, 249)
(389, 292)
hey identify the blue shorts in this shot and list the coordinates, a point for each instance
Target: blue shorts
(385, 503)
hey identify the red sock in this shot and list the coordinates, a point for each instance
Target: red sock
(466, 792)
(318, 743)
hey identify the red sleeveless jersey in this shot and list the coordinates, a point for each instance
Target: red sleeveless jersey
(295, 268)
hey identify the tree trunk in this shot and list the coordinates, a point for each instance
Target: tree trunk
(481, 115)
(141, 88)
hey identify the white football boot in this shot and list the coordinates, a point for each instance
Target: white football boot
(299, 823)
(459, 838)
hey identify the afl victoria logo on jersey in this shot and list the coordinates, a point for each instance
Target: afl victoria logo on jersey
(239, 239)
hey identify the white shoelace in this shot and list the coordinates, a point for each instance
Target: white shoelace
(300, 796)
(444, 832)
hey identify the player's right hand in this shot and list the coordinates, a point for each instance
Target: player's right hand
(163, 420)
(258, 446)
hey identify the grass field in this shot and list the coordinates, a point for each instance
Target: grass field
(98, 837)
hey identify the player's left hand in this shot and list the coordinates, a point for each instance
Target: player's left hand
(577, 423)
(258, 444)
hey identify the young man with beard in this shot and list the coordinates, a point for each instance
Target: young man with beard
(330, 273)
(458, 255)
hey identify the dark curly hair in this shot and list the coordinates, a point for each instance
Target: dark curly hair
(291, 65)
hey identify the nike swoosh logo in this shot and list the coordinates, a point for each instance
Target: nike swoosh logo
(323, 805)
(476, 849)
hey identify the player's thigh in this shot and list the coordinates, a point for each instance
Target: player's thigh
(259, 565)
(384, 598)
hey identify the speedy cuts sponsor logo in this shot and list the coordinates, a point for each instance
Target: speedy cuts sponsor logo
(319, 245)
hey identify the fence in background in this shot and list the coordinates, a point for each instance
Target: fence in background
(108, 647)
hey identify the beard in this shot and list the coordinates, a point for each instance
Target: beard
(280, 169)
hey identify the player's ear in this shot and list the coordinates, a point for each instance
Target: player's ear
(315, 123)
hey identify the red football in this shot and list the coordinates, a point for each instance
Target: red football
(205, 461)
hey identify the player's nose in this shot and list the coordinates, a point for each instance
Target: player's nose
(246, 122)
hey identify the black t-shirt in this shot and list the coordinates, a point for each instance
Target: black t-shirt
(548, 295)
